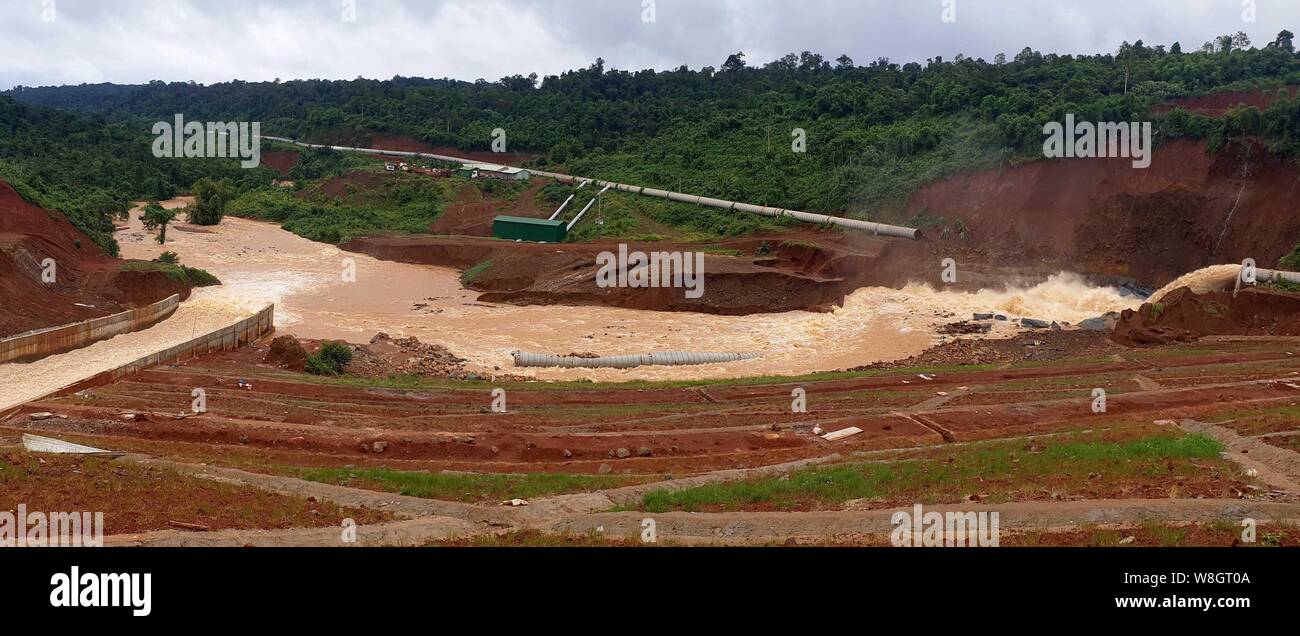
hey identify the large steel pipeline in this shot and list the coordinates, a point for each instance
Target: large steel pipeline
(661, 359)
(880, 229)
(1266, 275)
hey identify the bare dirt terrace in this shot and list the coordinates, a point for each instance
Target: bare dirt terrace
(1002, 434)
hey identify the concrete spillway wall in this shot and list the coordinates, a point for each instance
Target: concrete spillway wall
(35, 345)
(225, 339)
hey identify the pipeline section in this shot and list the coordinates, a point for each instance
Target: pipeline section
(880, 229)
(660, 359)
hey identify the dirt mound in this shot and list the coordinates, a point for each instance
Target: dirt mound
(1184, 315)
(287, 353)
(88, 283)
(386, 356)
(1040, 346)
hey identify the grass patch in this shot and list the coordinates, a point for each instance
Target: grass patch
(462, 486)
(467, 277)
(408, 382)
(1001, 472)
(188, 276)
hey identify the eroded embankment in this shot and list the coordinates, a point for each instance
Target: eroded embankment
(1103, 218)
(1183, 315)
(52, 274)
(782, 279)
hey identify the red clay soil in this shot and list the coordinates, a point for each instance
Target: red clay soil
(287, 419)
(1217, 104)
(86, 275)
(1104, 218)
(1184, 316)
(281, 161)
(142, 498)
(472, 213)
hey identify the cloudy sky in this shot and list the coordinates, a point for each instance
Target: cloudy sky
(45, 42)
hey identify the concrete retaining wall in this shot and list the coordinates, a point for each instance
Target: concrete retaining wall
(35, 345)
(233, 337)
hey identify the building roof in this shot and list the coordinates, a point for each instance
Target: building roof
(522, 220)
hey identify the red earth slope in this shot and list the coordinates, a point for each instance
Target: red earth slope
(88, 283)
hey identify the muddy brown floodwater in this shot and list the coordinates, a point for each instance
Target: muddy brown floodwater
(260, 263)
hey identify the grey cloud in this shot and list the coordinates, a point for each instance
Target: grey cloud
(129, 41)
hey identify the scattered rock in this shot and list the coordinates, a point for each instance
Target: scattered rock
(1127, 540)
(644, 451)
(379, 446)
(604, 469)
(622, 453)
(568, 453)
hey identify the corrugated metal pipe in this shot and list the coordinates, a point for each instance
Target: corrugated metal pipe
(881, 229)
(660, 359)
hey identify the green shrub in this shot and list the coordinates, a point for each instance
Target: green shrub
(1291, 262)
(331, 360)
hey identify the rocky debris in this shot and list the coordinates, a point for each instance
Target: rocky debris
(568, 453)
(622, 453)
(1105, 322)
(965, 327)
(287, 353)
(379, 446)
(1034, 323)
(386, 356)
(605, 469)
(644, 451)
(37, 417)
(1038, 346)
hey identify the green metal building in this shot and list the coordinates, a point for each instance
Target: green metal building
(517, 228)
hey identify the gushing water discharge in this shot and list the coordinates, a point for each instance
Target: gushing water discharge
(1208, 279)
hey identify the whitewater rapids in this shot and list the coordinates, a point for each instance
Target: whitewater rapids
(261, 263)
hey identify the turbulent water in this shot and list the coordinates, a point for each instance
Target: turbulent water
(261, 263)
(1209, 279)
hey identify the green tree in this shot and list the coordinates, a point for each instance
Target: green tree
(157, 217)
(210, 200)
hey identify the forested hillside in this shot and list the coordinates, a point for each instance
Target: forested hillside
(875, 132)
(91, 169)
